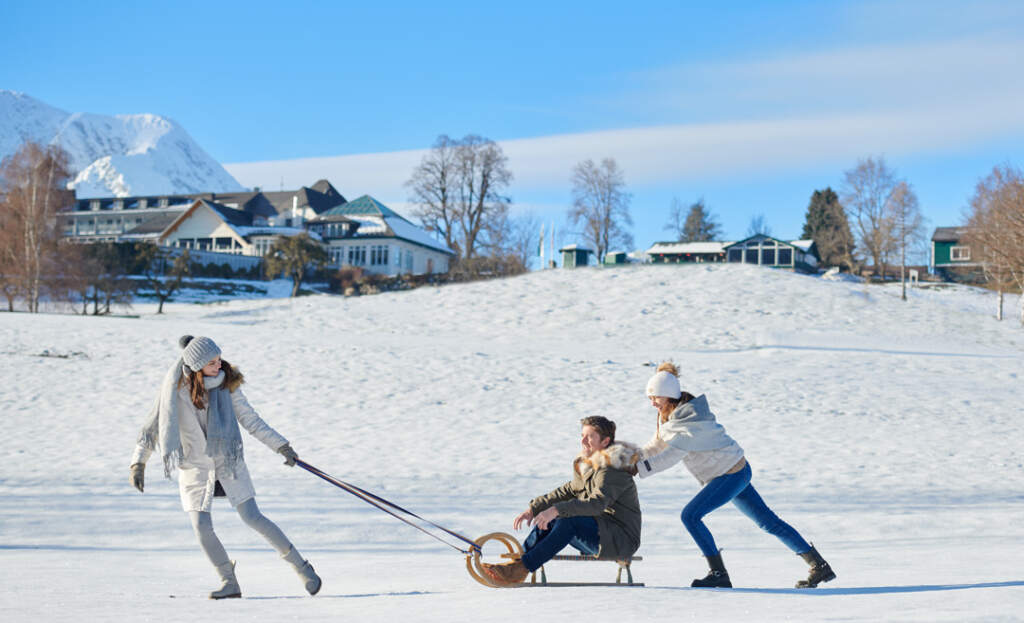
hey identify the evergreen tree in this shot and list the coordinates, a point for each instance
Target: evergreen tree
(699, 226)
(826, 224)
(693, 224)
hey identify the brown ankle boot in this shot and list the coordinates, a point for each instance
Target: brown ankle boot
(506, 574)
(820, 571)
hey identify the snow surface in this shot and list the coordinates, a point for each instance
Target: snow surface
(887, 432)
(119, 156)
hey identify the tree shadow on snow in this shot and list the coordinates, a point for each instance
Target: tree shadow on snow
(863, 590)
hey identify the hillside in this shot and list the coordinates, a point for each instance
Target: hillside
(887, 432)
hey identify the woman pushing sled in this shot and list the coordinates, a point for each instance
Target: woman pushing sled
(194, 426)
(687, 431)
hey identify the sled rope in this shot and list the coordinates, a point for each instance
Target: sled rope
(387, 506)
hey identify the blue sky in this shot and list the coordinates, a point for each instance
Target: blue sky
(752, 106)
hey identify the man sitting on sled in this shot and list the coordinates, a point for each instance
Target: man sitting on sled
(597, 512)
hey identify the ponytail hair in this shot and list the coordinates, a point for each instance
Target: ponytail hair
(684, 397)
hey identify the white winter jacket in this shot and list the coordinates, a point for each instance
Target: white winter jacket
(198, 472)
(693, 436)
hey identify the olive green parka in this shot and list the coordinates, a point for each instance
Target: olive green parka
(602, 488)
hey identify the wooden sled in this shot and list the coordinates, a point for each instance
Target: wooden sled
(514, 550)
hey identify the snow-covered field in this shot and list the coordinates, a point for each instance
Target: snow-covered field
(888, 432)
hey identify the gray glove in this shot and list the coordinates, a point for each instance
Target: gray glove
(138, 477)
(288, 454)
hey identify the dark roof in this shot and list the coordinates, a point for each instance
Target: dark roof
(230, 215)
(324, 187)
(321, 197)
(155, 224)
(949, 234)
(318, 201)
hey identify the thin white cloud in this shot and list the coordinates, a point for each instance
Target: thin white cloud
(826, 107)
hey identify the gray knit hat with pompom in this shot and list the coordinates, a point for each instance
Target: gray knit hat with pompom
(198, 351)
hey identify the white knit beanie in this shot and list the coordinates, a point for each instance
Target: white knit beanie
(198, 351)
(665, 384)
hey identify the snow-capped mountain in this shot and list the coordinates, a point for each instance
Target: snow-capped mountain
(118, 155)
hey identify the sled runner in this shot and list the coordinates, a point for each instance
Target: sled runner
(514, 551)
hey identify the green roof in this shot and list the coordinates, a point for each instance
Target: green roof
(365, 205)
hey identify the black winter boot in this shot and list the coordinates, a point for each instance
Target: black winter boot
(820, 570)
(717, 577)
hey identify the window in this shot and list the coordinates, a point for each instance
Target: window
(379, 255)
(768, 256)
(960, 254)
(751, 256)
(736, 255)
(357, 256)
(786, 257)
(408, 261)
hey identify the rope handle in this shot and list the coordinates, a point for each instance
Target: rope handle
(383, 504)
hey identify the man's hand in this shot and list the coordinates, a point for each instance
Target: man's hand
(288, 454)
(138, 475)
(545, 518)
(525, 516)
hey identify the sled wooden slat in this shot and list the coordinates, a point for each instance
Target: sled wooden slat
(564, 584)
(622, 563)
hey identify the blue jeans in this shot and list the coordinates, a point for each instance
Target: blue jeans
(737, 489)
(542, 545)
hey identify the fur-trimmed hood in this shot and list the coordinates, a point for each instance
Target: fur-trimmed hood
(619, 455)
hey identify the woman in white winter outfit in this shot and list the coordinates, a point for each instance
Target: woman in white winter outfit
(194, 426)
(687, 431)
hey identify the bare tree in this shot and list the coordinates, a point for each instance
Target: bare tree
(432, 189)
(758, 226)
(866, 192)
(458, 190)
(293, 257)
(995, 229)
(34, 189)
(907, 226)
(162, 273)
(517, 239)
(10, 273)
(601, 204)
